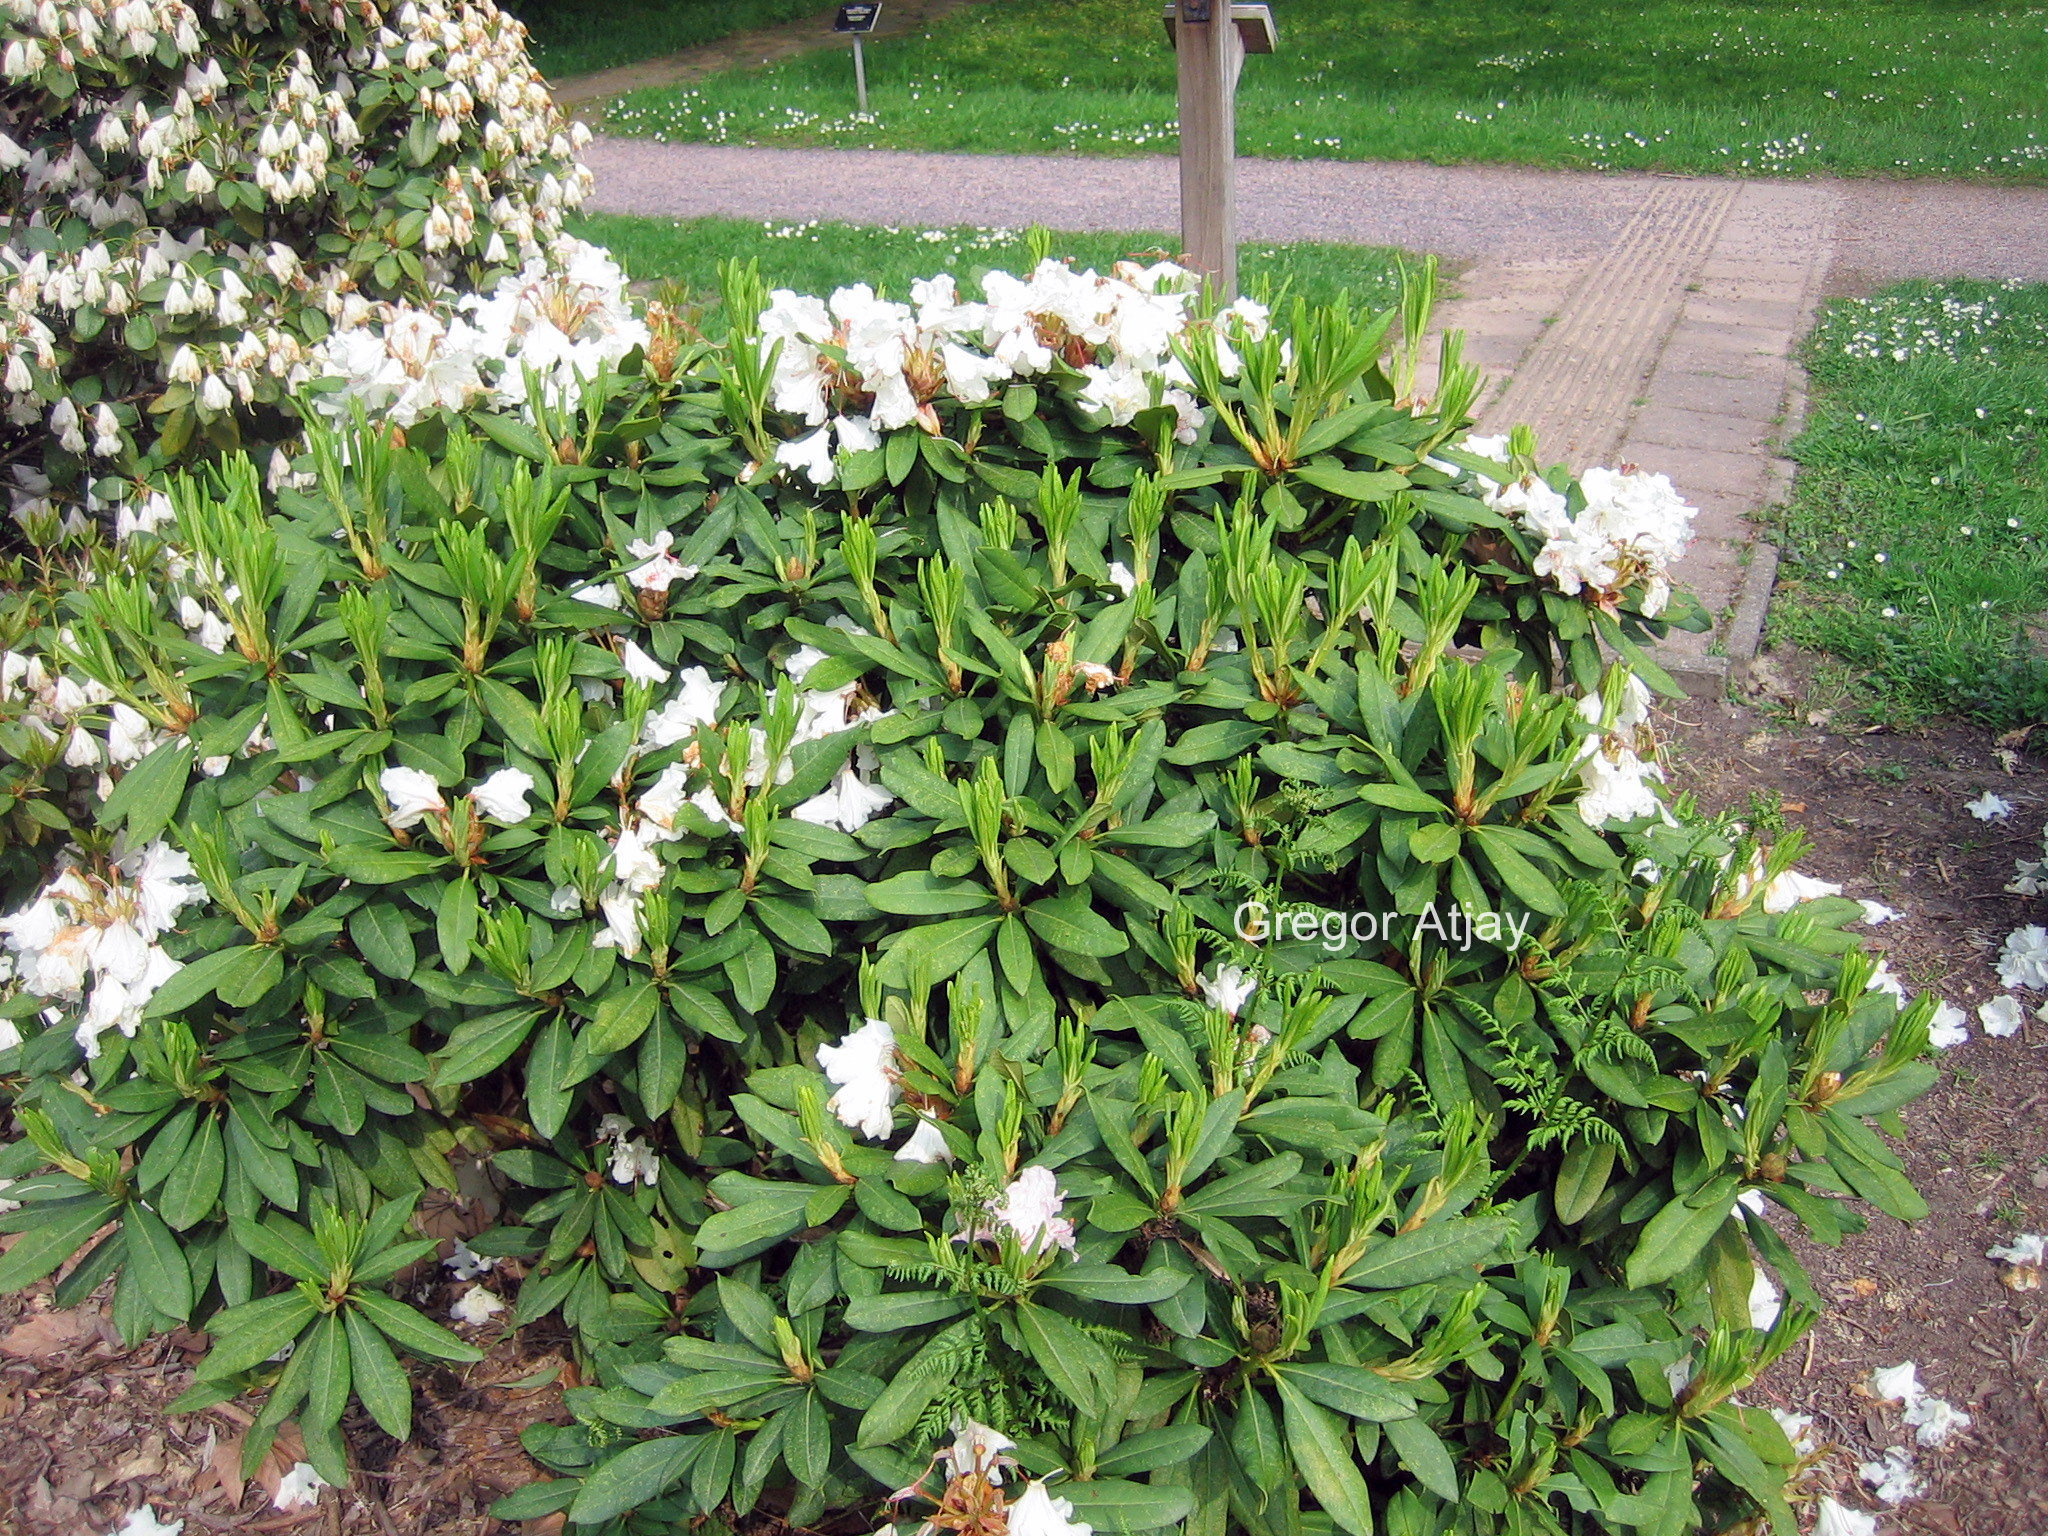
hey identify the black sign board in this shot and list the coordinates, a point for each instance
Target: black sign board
(857, 18)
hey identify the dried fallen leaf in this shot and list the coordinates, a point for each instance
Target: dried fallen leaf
(1864, 1287)
(50, 1333)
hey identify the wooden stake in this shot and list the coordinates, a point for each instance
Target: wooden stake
(1210, 58)
(860, 74)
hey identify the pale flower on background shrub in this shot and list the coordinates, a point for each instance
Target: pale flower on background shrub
(146, 137)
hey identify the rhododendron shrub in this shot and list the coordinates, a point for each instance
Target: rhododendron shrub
(1098, 947)
(204, 204)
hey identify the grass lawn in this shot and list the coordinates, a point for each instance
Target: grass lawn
(816, 257)
(1916, 544)
(573, 37)
(1895, 87)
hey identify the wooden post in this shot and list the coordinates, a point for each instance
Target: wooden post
(1210, 58)
(860, 74)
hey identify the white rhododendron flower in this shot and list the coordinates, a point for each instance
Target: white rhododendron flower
(1764, 1302)
(1990, 807)
(633, 1160)
(1798, 1429)
(144, 1522)
(1633, 528)
(412, 795)
(1883, 980)
(849, 804)
(641, 667)
(299, 1488)
(1834, 1519)
(1038, 1513)
(1948, 1028)
(1791, 888)
(2025, 1257)
(2023, 960)
(1934, 1421)
(2027, 1248)
(1030, 1207)
(810, 456)
(90, 937)
(862, 1066)
(695, 704)
(465, 1263)
(1228, 990)
(977, 1450)
(1895, 1383)
(2001, 1017)
(659, 569)
(476, 1306)
(1893, 1478)
(502, 796)
(926, 1144)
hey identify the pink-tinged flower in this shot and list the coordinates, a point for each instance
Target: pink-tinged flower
(1030, 1208)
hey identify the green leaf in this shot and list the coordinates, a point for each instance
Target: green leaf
(1069, 923)
(189, 1194)
(198, 978)
(920, 893)
(1321, 1447)
(382, 938)
(1152, 1448)
(1582, 1175)
(1107, 1283)
(157, 1263)
(455, 924)
(635, 1476)
(807, 1441)
(893, 1311)
(147, 796)
(1117, 1504)
(1078, 1366)
(61, 1227)
(1351, 1389)
(1428, 1253)
(379, 1379)
(1421, 1450)
(477, 1046)
(621, 1019)
(405, 1327)
(1352, 484)
(1680, 1232)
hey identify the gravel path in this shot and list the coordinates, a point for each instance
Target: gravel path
(1883, 231)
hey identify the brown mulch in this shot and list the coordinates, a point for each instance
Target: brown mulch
(84, 1438)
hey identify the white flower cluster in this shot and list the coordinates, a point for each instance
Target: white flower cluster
(1933, 1420)
(1633, 529)
(157, 130)
(91, 936)
(848, 803)
(1617, 760)
(560, 320)
(858, 365)
(862, 1070)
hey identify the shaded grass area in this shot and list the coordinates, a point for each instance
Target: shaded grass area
(1916, 543)
(818, 257)
(1902, 87)
(573, 37)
